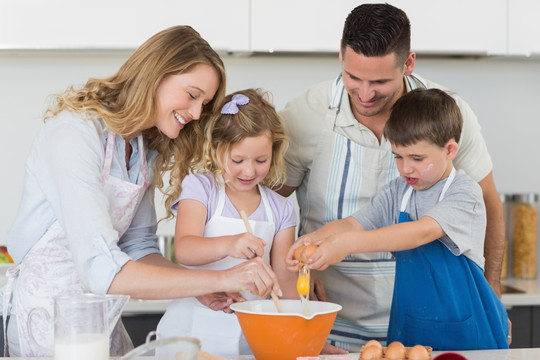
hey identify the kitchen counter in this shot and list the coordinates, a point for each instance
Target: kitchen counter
(530, 295)
(512, 354)
(135, 306)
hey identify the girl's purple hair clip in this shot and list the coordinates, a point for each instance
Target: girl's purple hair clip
(231, 107)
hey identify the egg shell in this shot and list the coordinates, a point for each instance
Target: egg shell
(395, 351)
(418, 352)
(304, 252)
(372, 352)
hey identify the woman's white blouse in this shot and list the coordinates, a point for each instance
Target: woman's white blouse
(63, 182)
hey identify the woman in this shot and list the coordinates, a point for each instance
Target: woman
(87, 221)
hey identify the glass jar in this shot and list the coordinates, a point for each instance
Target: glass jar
(524, 235)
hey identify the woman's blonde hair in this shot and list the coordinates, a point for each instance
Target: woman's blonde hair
(127, 101)
(253, 119)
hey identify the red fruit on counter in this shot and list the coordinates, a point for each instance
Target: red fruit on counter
(4, 255)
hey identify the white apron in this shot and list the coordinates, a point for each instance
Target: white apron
(220, 333)
(48, 270)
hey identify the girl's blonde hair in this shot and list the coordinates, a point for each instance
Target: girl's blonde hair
(253, 119)
(127, 101)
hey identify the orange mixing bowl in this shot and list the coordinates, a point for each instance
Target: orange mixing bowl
(287, 335)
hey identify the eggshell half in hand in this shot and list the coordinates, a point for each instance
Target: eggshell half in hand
(304, 252)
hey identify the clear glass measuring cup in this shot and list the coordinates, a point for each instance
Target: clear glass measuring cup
(82, 325)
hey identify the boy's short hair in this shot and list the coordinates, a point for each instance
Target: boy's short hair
(424, 114)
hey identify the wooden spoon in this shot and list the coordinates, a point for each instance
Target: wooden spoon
(249, 230)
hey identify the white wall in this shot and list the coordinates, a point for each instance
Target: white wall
(504, 92)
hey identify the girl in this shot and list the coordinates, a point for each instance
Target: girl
(243, 159)
(87, 220)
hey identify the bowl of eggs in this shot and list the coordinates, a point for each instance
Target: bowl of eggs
(285, 335)
(373, 350)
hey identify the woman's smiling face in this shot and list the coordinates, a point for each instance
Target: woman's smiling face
(181, 98)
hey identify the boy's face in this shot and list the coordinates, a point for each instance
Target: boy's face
(424, 164)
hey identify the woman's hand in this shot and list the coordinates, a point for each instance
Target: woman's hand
(245, 246)
(253, 275)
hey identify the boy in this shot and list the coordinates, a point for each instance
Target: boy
(433, 219)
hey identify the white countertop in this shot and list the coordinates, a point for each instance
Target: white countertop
(512, 354)
(134, 307)
(531, 297)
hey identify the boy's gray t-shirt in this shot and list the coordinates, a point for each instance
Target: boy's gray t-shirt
(461, 213)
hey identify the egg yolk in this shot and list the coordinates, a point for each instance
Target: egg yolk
(302, 285)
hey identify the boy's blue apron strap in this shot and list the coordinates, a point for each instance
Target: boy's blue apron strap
(404, 217)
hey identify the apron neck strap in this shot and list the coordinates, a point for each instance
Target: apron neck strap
(408, 193)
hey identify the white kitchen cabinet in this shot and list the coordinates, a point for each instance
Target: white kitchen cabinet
(523, 27)
(119, 24)
(438, 26)
(299, 25)
(457, 27)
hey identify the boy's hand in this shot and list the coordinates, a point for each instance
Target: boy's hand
(330, 252)
(246, 246)
(293, 264)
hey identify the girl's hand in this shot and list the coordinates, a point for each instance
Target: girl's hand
(246, 246)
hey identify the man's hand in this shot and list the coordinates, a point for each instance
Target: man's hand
(316, 289)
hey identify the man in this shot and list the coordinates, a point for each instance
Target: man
(338, 158)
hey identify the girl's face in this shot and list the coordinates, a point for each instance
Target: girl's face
(249, 162)
(181, 98)
(424, 164)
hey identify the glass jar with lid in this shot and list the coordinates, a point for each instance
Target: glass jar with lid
(524, 235)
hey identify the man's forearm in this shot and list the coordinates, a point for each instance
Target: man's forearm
(495, 234)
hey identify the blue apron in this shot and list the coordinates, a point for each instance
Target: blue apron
(442, 300)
